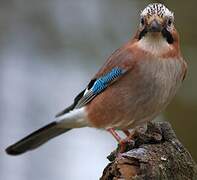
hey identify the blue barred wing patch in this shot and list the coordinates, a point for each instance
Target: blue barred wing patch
(105, 80)
(100, 85)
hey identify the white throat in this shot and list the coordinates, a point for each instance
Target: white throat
(156, 45)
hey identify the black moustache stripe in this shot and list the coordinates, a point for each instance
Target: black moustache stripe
(142, 33)
(166, 34)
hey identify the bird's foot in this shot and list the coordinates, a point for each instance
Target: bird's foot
(125, 145)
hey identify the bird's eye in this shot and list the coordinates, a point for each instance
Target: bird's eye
(142, 21)
(169, 22)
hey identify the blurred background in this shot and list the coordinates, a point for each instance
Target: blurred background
(49, 50)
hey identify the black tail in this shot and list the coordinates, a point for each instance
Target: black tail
(36, 139)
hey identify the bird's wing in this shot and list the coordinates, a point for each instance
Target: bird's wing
(116, 66)
(94, 88)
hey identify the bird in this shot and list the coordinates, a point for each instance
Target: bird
(135, 84)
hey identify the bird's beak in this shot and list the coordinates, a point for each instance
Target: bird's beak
(155, 25)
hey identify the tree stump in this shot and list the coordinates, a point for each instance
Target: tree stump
(156, 154)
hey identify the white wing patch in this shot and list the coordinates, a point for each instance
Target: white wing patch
(73, 119)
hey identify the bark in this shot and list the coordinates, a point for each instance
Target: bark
(156, 154)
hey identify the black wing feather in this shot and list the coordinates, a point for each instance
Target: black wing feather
(76, 100)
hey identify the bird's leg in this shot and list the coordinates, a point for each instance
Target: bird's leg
(129, 141)
(127, 133)
(123, 143)
(114, 134)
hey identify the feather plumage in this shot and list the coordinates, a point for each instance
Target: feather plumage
(94, 88)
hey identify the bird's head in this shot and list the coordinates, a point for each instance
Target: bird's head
(157, 28)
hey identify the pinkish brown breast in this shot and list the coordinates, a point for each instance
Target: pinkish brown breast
(139, 96)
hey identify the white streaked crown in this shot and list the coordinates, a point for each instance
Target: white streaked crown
(158, 9)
